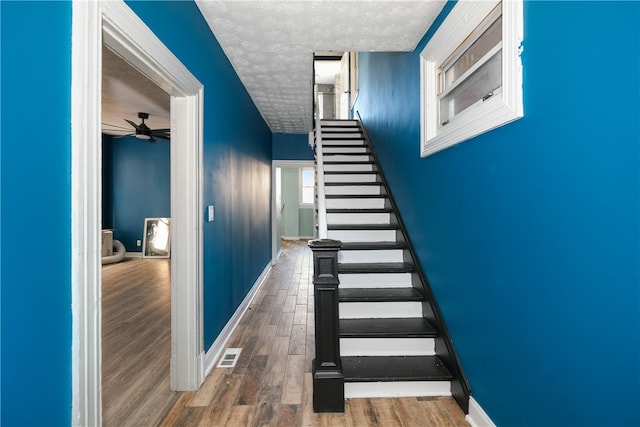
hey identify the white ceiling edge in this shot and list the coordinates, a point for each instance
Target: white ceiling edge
(270, 44)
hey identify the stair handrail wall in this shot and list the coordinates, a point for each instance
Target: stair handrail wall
(461, 389)
(322, 207)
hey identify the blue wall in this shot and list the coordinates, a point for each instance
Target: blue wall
(36, 214)
(292, 146)
(36, 192)
(139, 186)
(529, 234)
(237, 162)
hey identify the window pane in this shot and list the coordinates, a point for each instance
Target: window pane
(490, 38)
(483, 81)
(307, 177)
(307, 195)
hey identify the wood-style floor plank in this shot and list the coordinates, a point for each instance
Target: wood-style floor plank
(136, 340)
(271, 384)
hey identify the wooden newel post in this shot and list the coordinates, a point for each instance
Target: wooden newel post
(328, 380)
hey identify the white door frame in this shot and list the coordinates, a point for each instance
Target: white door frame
(115, 24)
(274, 223)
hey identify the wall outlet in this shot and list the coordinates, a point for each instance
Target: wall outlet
(138, 243)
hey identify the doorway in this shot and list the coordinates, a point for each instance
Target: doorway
(293, 214)
(115, 24)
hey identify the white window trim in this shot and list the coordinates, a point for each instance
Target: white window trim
(495, 111)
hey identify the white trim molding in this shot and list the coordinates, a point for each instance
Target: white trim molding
(114, 24)
(218, 346)
(498, 110)
(477, 417)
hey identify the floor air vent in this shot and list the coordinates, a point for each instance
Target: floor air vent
(229, 358)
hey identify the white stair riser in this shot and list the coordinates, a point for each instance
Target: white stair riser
(375, 280)
(358, 218)
(328, 144)
(328, 149)
(338, 123)
(354, 390)
(346, 157)
(366, 167)
(328, 130)
(341, 135)
(352, 190)
(389, 255)
(363, 235)
(368, 310)
(360, 177)
(387, 347)
(355, 203)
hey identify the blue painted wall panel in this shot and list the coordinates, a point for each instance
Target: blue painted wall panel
(291, 146)
(529, 234)
(237, 162)
(140, 186)
(36, 214)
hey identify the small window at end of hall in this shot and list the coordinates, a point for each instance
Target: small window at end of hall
(471, 73)
(307, 186)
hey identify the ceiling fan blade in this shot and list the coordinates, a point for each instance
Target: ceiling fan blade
(161, 130)
(116, 127)
(122, 136)
(161, 133)
(152, 139)
(135, 126)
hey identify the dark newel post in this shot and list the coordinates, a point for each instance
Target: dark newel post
(328, 381)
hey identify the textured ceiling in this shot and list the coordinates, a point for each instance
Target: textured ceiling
(125, 92)
(271, 43)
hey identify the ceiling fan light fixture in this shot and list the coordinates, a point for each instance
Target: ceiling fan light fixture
(142, 136)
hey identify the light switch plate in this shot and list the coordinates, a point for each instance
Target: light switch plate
(210, 212)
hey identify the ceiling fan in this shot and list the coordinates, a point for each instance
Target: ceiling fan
(142, 131)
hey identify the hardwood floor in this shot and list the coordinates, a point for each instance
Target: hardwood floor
(271, 383)
(136, 333)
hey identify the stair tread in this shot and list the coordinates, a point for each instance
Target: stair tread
(342, 184)
(350, 162)
(360, 211)
(361, 246)
(394, 368)
(350, 172)
(379, 294)
(417, 327)
(362, 226)
(379, 267)
(356, 196)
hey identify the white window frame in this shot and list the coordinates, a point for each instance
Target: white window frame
(503, 107)
(303, 204)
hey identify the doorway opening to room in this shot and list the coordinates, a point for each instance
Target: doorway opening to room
(293, 202)
(116, 26)
(335, 84)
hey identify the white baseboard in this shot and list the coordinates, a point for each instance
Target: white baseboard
(218, 346)
(477, 417)
(133, 254)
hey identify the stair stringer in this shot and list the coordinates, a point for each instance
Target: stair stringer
(460, 388)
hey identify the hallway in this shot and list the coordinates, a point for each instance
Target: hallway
(271, 383)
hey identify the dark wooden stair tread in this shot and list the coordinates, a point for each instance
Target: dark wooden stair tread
(363, 246)
(394, 368)
(356, 196)
(344, 184)
(362, 226)
(415, 327)
(350, 172)
(379, 294)
(349, 162)
(360, 211)
(380, 267)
